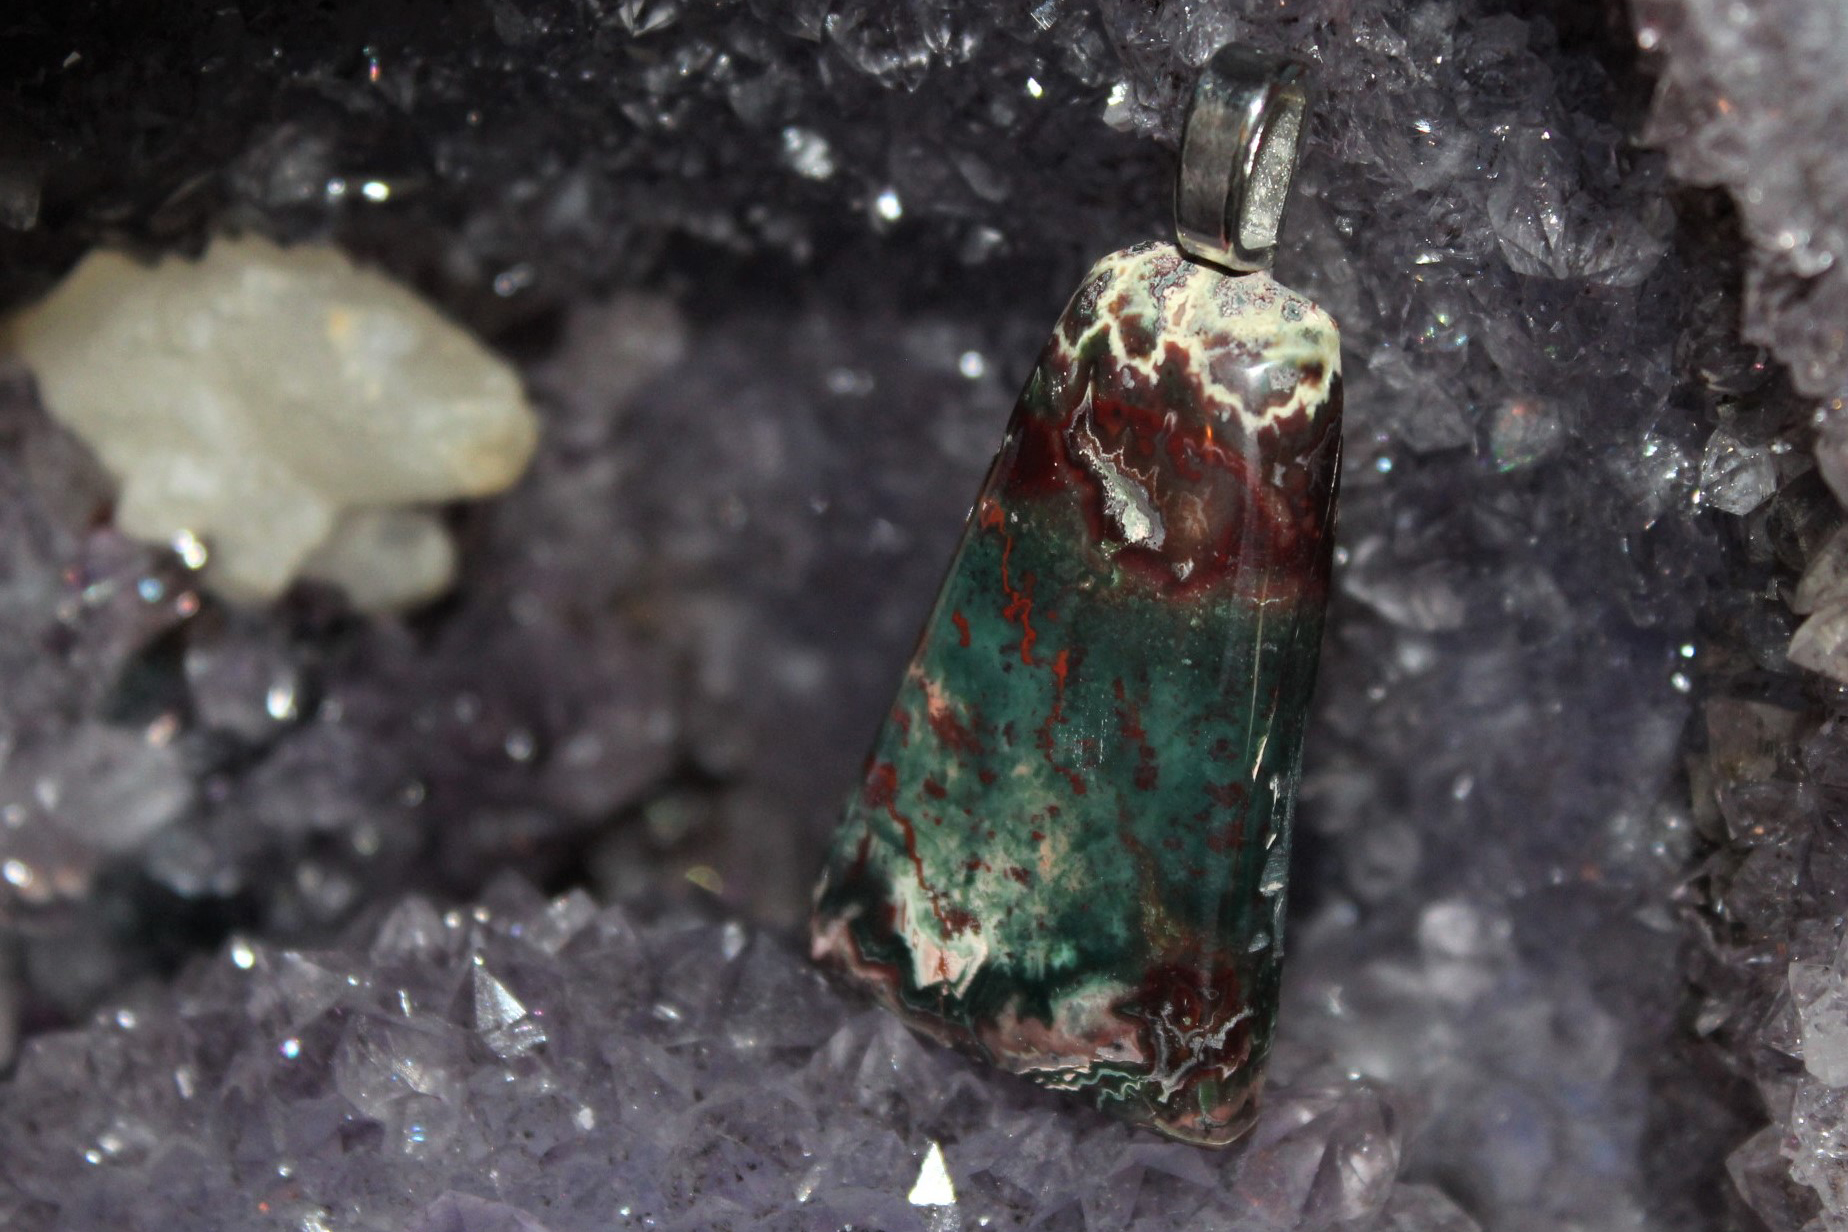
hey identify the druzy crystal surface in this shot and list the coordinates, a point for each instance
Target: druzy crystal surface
(534, 1066)
(770, 269)
(1070, 847)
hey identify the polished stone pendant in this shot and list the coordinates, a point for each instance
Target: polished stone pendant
(1068, 853)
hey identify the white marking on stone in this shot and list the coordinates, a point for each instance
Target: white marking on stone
(936, 959)
(1127, 502)
(1285, 331)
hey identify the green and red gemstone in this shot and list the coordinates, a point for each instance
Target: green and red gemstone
(1069, 851)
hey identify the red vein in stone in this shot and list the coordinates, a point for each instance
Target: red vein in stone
(1146, 769)
(1061, 668)
(1019, 609)
(882, 790)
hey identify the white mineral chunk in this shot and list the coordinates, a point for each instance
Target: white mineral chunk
(385, 559)
(284, 407)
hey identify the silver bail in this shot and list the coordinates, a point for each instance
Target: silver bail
(1239, 147)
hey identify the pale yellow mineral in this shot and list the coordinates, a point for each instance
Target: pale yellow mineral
(291, 411)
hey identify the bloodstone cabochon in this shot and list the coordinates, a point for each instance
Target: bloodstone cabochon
(1069, 850)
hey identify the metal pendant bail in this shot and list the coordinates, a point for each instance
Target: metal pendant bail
(1239, 149)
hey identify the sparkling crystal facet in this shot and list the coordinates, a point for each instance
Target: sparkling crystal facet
(1070, 847)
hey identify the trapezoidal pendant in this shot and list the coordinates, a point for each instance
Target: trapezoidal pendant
(1069, 851)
